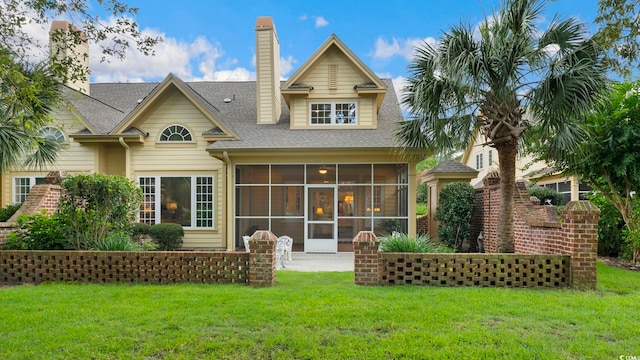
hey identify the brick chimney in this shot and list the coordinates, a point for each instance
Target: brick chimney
(62, 46)
(267, 72)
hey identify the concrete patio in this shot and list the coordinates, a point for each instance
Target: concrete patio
(342, 261)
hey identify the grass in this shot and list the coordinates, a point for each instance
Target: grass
(320, 316)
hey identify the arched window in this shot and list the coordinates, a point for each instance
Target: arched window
(52, 132)
(175, 133)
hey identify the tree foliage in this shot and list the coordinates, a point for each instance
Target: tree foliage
(483, 80)
(608, 159)
(455, 209)
(619, 30)
(107, 23)
(29, 77)
(27, 97)
(94, 205)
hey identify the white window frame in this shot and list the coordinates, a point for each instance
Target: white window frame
(479, 162)
(490, 157)
(16, 195)
(54, 133)
(160, 137)
(335, 119)
(151, 200)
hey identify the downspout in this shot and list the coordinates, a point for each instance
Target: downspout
(228, 211)
(127, 157)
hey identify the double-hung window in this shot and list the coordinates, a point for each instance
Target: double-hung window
(184, 200)
(333, 113)
(479, 164)
(22, 185)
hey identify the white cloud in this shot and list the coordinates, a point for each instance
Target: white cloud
(286, 65)
(399, 84)
(302, 17)
(385, 49)
(321, 22)
(200, 59)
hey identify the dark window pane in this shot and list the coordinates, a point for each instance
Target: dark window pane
(176, 200)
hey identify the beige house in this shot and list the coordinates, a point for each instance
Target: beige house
(484, 159)
(312, 158)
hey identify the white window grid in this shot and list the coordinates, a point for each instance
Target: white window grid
(22, 186)
(479, 164)
(333, 113)
(175, 133)
(52, 132)
(202, 197)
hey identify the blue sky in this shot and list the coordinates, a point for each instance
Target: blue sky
(215, 40)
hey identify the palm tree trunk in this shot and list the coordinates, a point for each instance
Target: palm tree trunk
(507, 156)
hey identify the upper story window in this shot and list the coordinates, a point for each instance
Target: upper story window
(175, 133)
(52, 132)
(490, 157)
(479, 164)
(333, 113)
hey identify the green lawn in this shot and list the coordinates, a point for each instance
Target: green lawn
(320, 316)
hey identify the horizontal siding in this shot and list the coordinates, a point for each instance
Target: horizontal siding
(73, 157)
(155, 156)
(347, 77)
(202, 239)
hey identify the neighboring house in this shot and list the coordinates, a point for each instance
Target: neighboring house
(485, 159)
(313, 157)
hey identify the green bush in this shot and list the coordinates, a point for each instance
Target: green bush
(95, 205)
(7, 212)
(39, 232)
(421, 209)
(455, 209)
(611, 241)
(422, 193)
(545, 193)
(139, 228)
(399, 242)
(168, 237)
(117, 241)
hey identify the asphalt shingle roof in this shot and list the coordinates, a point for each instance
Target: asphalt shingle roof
(110, 103)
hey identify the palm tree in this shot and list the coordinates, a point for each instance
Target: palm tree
(486, 79)
(27, 97)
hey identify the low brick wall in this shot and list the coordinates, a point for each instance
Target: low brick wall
(256, 268)
(373, 268)
(159, 267)
(485, 270)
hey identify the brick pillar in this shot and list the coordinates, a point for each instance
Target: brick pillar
(580, 236)
(262, 258)
(491, 203)
(365, 249)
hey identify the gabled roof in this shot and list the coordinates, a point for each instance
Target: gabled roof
(172, 82)
(373, 85)
(452, 166)
(240, 115)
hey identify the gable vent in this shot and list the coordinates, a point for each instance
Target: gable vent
(333, 77)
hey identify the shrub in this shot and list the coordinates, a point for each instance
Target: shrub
(7, 212)
(95, 205)
(422, 192)
(117, 241)
(455, 209)
(168, 237)
(39, 232)
(421, 209)
(399, 242)
(610, 228)
(545, 193)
